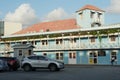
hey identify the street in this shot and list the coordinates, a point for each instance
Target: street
(69, 73)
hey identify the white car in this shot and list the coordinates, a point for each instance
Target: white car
(35, 62)
(3, 65)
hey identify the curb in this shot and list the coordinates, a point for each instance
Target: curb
(90, 65)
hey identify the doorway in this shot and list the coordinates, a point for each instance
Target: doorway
(93, 57)
(72, 58)
(114, 56)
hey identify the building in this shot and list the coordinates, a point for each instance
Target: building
(83, 40)
(8, 28)
(22, 50)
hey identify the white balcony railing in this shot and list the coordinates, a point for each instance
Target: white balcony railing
(70, 46)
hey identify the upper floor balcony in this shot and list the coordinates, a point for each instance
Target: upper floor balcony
(68, 46)
(77, 46)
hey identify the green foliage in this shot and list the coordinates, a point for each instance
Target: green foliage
(98, 33)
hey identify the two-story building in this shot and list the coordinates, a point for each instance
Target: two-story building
(83, 40)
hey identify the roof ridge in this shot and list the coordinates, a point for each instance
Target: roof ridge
(91, 7)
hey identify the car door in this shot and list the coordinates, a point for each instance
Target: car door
(34, 60)
(43, 61)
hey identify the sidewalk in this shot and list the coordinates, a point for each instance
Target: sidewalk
(90, 65)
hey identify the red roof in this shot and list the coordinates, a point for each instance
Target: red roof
(50, 26)
(91, 7)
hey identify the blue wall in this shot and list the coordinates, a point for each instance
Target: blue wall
(104, 59)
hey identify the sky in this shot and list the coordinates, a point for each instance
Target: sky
(29, 12)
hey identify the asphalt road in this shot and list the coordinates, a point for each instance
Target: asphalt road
(69, 73)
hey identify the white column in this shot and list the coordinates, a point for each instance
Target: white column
(70, 40)
(63, 46)
(48, 42)
(99, 39)
(79, 41)
(88, 39)
(118, 38)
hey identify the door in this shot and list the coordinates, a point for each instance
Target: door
(43, 61)
(34, 60)
(72, 58)
(114, 57)
(93, 57)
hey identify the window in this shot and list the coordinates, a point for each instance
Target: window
(92, 39)
(112, 38)
(35, 42)
(58, 41)
(20, 52)
(81, 15)
(73, 40)
(99, 15)
(24, 42)
(101, 53)
(29, 52)
(95, 24)
(72, 55)
(44, 42)
(93, 54)
(113, 53)
(42, 58)
(33, 57)
(32, 42)
(92, 14)
(45, 54)
(59, 56)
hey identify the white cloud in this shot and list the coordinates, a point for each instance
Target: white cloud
(114, 7)
(57, 14)
(23, 14)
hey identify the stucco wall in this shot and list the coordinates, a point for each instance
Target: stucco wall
(11, 27)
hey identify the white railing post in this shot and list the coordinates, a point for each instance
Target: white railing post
(79, 41)
(118, 38)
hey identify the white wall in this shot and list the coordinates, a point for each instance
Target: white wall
(11, 27)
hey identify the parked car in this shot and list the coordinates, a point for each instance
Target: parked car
(12, 62)
(34, 62)
(3, 65)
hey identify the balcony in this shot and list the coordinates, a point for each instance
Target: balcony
(77, 46)
(69, 47)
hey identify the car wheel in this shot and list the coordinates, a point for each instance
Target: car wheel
(53, 67)
(27, 67)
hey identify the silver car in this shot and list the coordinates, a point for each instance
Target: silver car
(35, 62)
(3, 65)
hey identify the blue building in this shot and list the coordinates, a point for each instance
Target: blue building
(83, 40)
